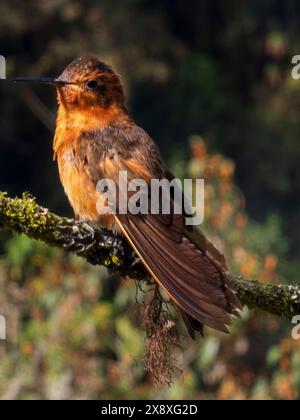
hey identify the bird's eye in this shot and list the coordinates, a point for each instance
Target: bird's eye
(91, 84)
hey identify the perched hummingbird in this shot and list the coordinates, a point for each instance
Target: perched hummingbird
(95, 138)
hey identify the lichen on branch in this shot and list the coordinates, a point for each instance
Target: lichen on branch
(101, 247)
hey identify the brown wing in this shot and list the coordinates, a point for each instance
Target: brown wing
(192, 281)
(181, 260)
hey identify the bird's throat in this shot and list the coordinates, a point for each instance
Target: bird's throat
(72, 122)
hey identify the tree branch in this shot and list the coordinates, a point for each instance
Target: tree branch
(101, 247)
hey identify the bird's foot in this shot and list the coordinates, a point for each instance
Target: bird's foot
(78, 237)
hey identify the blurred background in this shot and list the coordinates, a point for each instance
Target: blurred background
(211, 82)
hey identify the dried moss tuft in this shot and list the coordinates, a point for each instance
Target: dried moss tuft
(161, 337)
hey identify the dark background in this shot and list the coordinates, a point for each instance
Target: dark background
(210, 67)
(217, 69)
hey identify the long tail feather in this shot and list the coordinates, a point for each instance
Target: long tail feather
(196, 284)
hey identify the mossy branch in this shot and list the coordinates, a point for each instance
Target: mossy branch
(101, 247)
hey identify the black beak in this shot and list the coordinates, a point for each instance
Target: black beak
(41, 80)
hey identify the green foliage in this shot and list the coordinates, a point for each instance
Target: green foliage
(74, 332)
(267, 237)
(218, 69)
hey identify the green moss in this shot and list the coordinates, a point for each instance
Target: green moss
(115, 259)
(24, 215)
(283, 300)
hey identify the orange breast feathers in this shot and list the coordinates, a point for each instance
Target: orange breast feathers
(74, 176)
(79, 188)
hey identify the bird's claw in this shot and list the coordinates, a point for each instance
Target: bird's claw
(78, 237)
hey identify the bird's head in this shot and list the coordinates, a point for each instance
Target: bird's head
(89, 82)
(86, 82)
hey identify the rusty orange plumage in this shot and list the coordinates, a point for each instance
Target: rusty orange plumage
(95, 138)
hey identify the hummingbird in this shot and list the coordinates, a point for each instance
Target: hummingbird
(96, 138)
